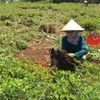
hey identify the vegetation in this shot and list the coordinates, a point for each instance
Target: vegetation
(56, 1)
(19, 80)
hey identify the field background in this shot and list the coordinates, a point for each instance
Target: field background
(20, 23)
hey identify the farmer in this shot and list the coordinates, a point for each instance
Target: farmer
(72, 42)
(85, 3)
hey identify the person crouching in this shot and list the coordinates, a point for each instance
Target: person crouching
(72, 42)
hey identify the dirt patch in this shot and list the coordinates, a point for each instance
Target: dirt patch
(37, 51)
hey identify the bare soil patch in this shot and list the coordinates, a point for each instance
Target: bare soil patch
(37, 51)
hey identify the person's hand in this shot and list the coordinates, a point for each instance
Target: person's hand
(72, 55)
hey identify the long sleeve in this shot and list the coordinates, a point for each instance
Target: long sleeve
(63, 43)
(83, 49)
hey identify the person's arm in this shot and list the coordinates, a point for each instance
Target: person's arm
(63, 43)
(83, 50)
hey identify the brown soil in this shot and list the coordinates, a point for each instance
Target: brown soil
(37, 51)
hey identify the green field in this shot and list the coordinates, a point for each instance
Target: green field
(17, 82)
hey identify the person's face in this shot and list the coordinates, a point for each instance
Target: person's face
(72, 33)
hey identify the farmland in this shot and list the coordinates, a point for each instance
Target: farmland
(21, 23)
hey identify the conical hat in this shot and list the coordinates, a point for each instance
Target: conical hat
(72, 26)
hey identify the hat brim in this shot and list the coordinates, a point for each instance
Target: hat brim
(72, 26)
(71, 30)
